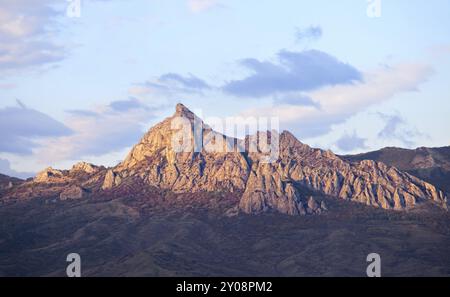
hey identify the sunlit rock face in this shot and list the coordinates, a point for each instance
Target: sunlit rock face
(268, 186)
(239, 166)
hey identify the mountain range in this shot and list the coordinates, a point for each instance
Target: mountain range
(259, 186)
(61, 210)
(429, 164)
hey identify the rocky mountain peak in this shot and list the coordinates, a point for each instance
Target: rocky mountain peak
(84, 167)
(276, 183)
(183, 111)
(49, 174)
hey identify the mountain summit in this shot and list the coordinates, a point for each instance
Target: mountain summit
(209, 162)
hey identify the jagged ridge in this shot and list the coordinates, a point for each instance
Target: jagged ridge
(262, 186)
(268, 186)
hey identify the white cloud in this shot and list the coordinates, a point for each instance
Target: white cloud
(334, 104)
(20, 55)
(310, 33)
(397, 129)
(5, 168)
(107, 129)
(25, 18)
(27, 34)
(197, 6)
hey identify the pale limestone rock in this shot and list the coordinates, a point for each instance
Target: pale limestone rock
(73, 192)
(109, 181)
(85, 167)
(312, 204)
(264, 187)
(49, 175)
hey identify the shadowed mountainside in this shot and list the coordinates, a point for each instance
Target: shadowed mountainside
(121, 238)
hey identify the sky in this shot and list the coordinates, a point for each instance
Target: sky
(84, 79)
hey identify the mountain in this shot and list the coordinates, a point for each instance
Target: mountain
(429, 164)
(286, 184)
(7, 182)
(166, 213)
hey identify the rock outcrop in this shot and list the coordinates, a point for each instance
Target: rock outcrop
(73, 192)
(85, 167)
(266, 172)
(49, 175)
(429, 164)
(111, 180)
(264, 185)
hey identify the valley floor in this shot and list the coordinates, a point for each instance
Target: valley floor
(115, 239)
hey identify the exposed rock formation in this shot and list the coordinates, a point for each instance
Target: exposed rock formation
(208, 161)
(265, 186)
(429, 164)
(49, 175)
(72, 192)
(111, 180)
(85, 167)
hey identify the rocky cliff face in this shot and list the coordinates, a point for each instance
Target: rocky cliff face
(234, 166)
(429, 164)
(266, 186)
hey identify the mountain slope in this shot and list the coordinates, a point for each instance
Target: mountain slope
(266, 186)
(162, 213)
(287, 184)
(115, 238)
(429, 164)
(7, 182)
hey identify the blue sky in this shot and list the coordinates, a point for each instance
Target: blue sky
(87, 88)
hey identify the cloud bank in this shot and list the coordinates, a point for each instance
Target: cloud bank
(27, 29)
(105, 129)
(5, 168)
(23, 126)
(294, 71)
(351, 142)
(337, 103)
(397, 129)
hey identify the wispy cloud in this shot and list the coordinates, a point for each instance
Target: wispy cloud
(396, 128)
(351, 142)
(338, 103)
(29, 34)
(197, 6)
(187, 82)
(169, 86)
(84, 133)
(23, 127)
(296, 99)
(310, 33)
(5, 168)
(127, 105)
(118, 125)
(27, 29)
(295, 71)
